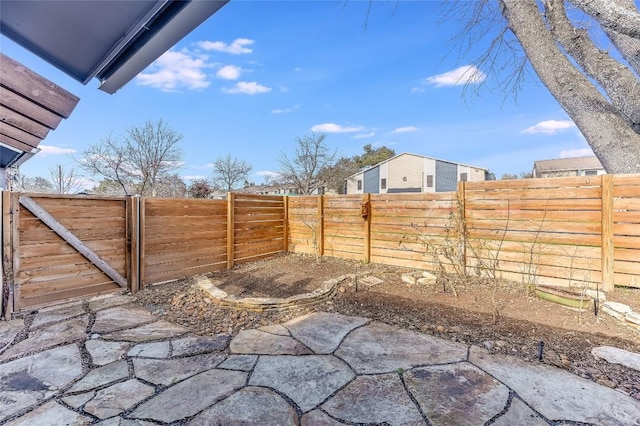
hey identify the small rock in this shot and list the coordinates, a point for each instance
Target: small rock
(455, 329)
(604, 381)
(440, 329)
(565, 362)
(489, 345)
(342, 289)
(409, 279)
(501, 343)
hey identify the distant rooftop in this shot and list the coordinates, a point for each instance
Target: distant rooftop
(576, 163)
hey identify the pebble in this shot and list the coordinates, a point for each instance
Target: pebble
(440, 329)
(489, 345)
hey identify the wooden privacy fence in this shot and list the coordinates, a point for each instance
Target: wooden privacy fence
(59, 247)
(578, 231)
(564, 231)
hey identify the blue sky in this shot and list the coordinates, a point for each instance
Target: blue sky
(257, 75)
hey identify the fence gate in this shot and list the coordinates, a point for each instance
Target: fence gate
(61, 247)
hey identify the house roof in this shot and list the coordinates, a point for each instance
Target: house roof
(112, 40)
(575, 163)
(414, 155)
(30, 106)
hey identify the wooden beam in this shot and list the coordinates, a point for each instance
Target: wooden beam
(15, 143)
(366, 200)
(320, 226)
(607, 233)
(38, 89)
(6, 293)
(18, 134)
(26, 107)
(461, 208)
(70, 238)
(26, 124)
(230, 230)
(133, 243)
(142, 242)
(14, 285)
(285, 223)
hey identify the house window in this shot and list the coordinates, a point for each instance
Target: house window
(359, 184)
(383, 184)
(463, 177)
(590, 172)
(429, 181)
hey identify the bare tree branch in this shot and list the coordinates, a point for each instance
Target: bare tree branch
(618, 16)
(305, 169)
(228, 172)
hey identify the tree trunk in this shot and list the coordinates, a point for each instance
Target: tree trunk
(614, 142)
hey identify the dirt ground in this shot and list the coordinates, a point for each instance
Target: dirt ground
(503, 318)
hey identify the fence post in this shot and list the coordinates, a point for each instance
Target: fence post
(133, 238)
(14, 284)
(366, 215)
(230, 230)
(461, 209)
(320, 225)
(142, 219)
(285, 224)
(607, 232)
(6, 295)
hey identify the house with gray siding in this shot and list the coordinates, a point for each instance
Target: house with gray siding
(561, 167)
(413, 173)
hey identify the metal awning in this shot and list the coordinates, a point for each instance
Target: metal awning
(112, 40)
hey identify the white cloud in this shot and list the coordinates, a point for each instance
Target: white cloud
(174, 70)
(365, 135)
(237, 46)
(194, 177)
(466, 74)
(285, 110)
(335, 128)
(549, 127)
(267, 173)
(578, 152)
(54, 150)
(229, 72)
(247, 88)
(404, 129)
(417, 90)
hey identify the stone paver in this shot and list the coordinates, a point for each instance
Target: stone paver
(8, 331)
(456, 394)
(617, 356)
(155, 331)
(519, 414)
(49, 414)
(191, 396)
(103, 352)
(101, 376)
(99, 303)
(115, 399)
(193, 345)
(151, 350)
(249, 406)
(121, 317)
(381, 348)
(239, 362)
(259, 342)
(318, 418)
(49, 336)
(170, 371)
(558, 394)
(307, 380)
(329, 369)
(322, 332)
(30, 380)
(46, 316)
(374, 399)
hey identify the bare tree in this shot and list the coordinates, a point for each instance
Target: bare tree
(138, 160)
(65, 181)
(305, 170)
(170, 186)
(600, 92)
(24, 183)
(228, 172)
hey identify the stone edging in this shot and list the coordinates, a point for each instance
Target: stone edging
(326, 290)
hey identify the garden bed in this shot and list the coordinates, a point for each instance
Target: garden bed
(504, 318)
